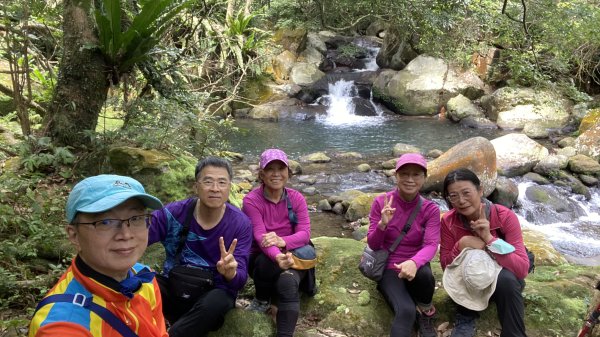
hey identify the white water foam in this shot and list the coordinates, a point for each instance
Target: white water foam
(341, 107)
(568, 235)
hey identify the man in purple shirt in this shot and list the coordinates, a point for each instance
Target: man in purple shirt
(218, 242)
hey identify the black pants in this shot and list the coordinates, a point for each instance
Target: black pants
(272, 282)
(403, 296)
(509, 302)
(195, 318)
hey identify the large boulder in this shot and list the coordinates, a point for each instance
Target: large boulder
(289, 108)
(588, 143)
(513, 108)
(426, 84)
(360, 206)
(590, 119)
(460, 107)
(517, 154)
(401, 148)
(348, 304)
(476, 154)
(550, 166)
(292, 40)
(584, 165)
(305, 74)
(282, 65)
(506, 192)
(165, 176)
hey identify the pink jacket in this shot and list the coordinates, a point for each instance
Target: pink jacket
(267, 216)
(501, 220)
(420, 243)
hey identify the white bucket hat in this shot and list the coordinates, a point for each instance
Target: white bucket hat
(470, 280)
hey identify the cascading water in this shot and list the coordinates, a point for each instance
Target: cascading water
(340, 100)
(569, 221)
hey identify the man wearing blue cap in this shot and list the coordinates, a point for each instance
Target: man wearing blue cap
(105, 292)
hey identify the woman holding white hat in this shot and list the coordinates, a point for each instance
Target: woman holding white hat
(280, 224)
(483, 256)
(408, 283)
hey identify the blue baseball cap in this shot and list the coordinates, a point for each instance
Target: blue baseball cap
(100, 193)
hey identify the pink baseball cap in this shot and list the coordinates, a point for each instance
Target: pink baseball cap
(272, 154)
(412, 158)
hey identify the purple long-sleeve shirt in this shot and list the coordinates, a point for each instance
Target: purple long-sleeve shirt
(201, 247)
(267, 216)
(418, 245)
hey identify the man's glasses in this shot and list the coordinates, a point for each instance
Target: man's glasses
(136, 222)
(209, 183)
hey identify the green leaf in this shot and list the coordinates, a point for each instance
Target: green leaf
(113, 11)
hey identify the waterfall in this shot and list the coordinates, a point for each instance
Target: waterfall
(340, 100)
(343, 97)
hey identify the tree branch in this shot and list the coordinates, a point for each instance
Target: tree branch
(33, 105)
(352, 24)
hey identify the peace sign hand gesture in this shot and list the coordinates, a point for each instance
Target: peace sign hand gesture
(387, 212)
(481, 226)
(227, 265)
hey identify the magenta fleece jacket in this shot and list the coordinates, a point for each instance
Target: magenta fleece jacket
(267, 216)
(502, 220)
(420, 243)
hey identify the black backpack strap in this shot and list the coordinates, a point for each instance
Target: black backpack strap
(185, 230)
(406, 228)
(86, 302)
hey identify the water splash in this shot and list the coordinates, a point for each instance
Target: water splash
(341, 107)
(576, 235)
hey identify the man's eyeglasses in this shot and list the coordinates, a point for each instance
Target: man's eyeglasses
(136, 222)
(455, 197)
(209, 183)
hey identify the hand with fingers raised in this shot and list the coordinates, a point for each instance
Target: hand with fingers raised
(481, 226)
(227, 265)
(387, 212)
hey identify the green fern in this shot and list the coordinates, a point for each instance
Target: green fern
(123, 49)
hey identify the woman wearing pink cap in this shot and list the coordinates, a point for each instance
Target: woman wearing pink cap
(280, 223)
(407, 283)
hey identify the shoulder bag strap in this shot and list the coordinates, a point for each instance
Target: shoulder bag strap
(406, 228)
(185, 230)
(291, 215)
(86, 302)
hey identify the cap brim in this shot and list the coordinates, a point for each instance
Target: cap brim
(275, 159)
(114, 200)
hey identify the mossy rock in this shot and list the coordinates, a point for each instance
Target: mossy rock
(389, 101)
(556, 298)
(163, 175)
(590, 119)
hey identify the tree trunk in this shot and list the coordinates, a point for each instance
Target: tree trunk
(83, 83)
